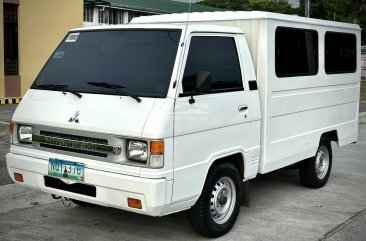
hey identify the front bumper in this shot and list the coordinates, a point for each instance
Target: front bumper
(112, 189)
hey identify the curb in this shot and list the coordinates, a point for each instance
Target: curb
(10, 101)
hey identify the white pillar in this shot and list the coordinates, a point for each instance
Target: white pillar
(125, 17)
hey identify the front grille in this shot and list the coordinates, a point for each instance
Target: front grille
(76, 138)
(78, 188)
(73, 137)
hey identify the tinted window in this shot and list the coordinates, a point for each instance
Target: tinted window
(296, 52)
(140, 60)
(218, 56)
(340, 53)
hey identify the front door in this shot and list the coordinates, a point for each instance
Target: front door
(218, 121)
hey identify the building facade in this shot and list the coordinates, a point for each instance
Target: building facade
(105, 12)
(30, 31)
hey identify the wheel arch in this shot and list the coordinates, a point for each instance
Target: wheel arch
(237, 159)
(331, 136)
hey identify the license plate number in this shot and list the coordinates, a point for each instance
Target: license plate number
(66, 169)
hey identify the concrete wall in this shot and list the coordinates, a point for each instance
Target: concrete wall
(41, 26)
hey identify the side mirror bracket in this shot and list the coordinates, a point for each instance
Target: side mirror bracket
(191, 100)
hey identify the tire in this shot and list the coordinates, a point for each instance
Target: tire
(81, 203)
(314, 172)
(217, 209)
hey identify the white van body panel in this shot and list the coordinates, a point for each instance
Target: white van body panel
(282, 124)
(113, 189)
(295, 111)
(94, 112)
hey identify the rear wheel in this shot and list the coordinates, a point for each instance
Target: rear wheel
(314, 172)
(218, 207)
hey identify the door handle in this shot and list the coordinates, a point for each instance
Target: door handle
(242, 108)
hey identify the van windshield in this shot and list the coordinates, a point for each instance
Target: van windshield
(140, 61)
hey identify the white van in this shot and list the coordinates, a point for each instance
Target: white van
(162, 115)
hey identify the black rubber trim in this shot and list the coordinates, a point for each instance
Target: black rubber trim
(253, 85)
(78, 188)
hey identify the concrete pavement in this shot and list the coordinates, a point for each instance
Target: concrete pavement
(281, 209)
(6, 112)
(362, 107)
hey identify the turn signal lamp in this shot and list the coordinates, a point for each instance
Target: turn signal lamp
(11, 127)
(156, 154)
(18, 177)
(134, 203)
(157, 147)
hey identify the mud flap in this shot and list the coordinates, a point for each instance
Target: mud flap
(245, 194)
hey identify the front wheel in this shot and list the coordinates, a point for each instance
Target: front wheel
(314, 172)
(218, 207)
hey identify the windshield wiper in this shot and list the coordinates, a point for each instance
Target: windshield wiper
(72, 92)
(62, 88)
(116, 88)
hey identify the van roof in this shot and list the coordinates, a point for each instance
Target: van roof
(191, 28)
(238, 15)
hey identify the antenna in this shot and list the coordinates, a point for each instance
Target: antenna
(189, 11)
(183, 45)
(185, 32)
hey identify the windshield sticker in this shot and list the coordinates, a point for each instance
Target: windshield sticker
(58, 55)
(72, 37)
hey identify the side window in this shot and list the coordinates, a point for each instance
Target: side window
(217, 55)
(340, 53)
(296, 52)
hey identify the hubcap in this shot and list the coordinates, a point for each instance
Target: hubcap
(223, 199)
(322, 162)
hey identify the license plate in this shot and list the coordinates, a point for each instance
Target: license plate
(66, 169)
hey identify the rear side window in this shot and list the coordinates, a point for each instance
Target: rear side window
(340, 53)
(217, 55)
(296, 52)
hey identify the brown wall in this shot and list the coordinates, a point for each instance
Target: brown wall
(41, 26)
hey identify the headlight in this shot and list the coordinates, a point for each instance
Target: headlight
(25, 134)
(137, 150)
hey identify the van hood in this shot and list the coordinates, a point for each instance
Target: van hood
(108, 114)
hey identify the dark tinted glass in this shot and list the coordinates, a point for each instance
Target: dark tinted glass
(218, 56)
(10, 39)
(140, 60)
(296, 52)
(340, 53)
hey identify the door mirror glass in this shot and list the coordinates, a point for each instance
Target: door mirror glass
(203, 82)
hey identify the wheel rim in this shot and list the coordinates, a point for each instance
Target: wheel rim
(322, 162)
(223, 200)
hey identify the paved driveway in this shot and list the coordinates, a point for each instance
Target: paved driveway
(281, 209)
(6, 111)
